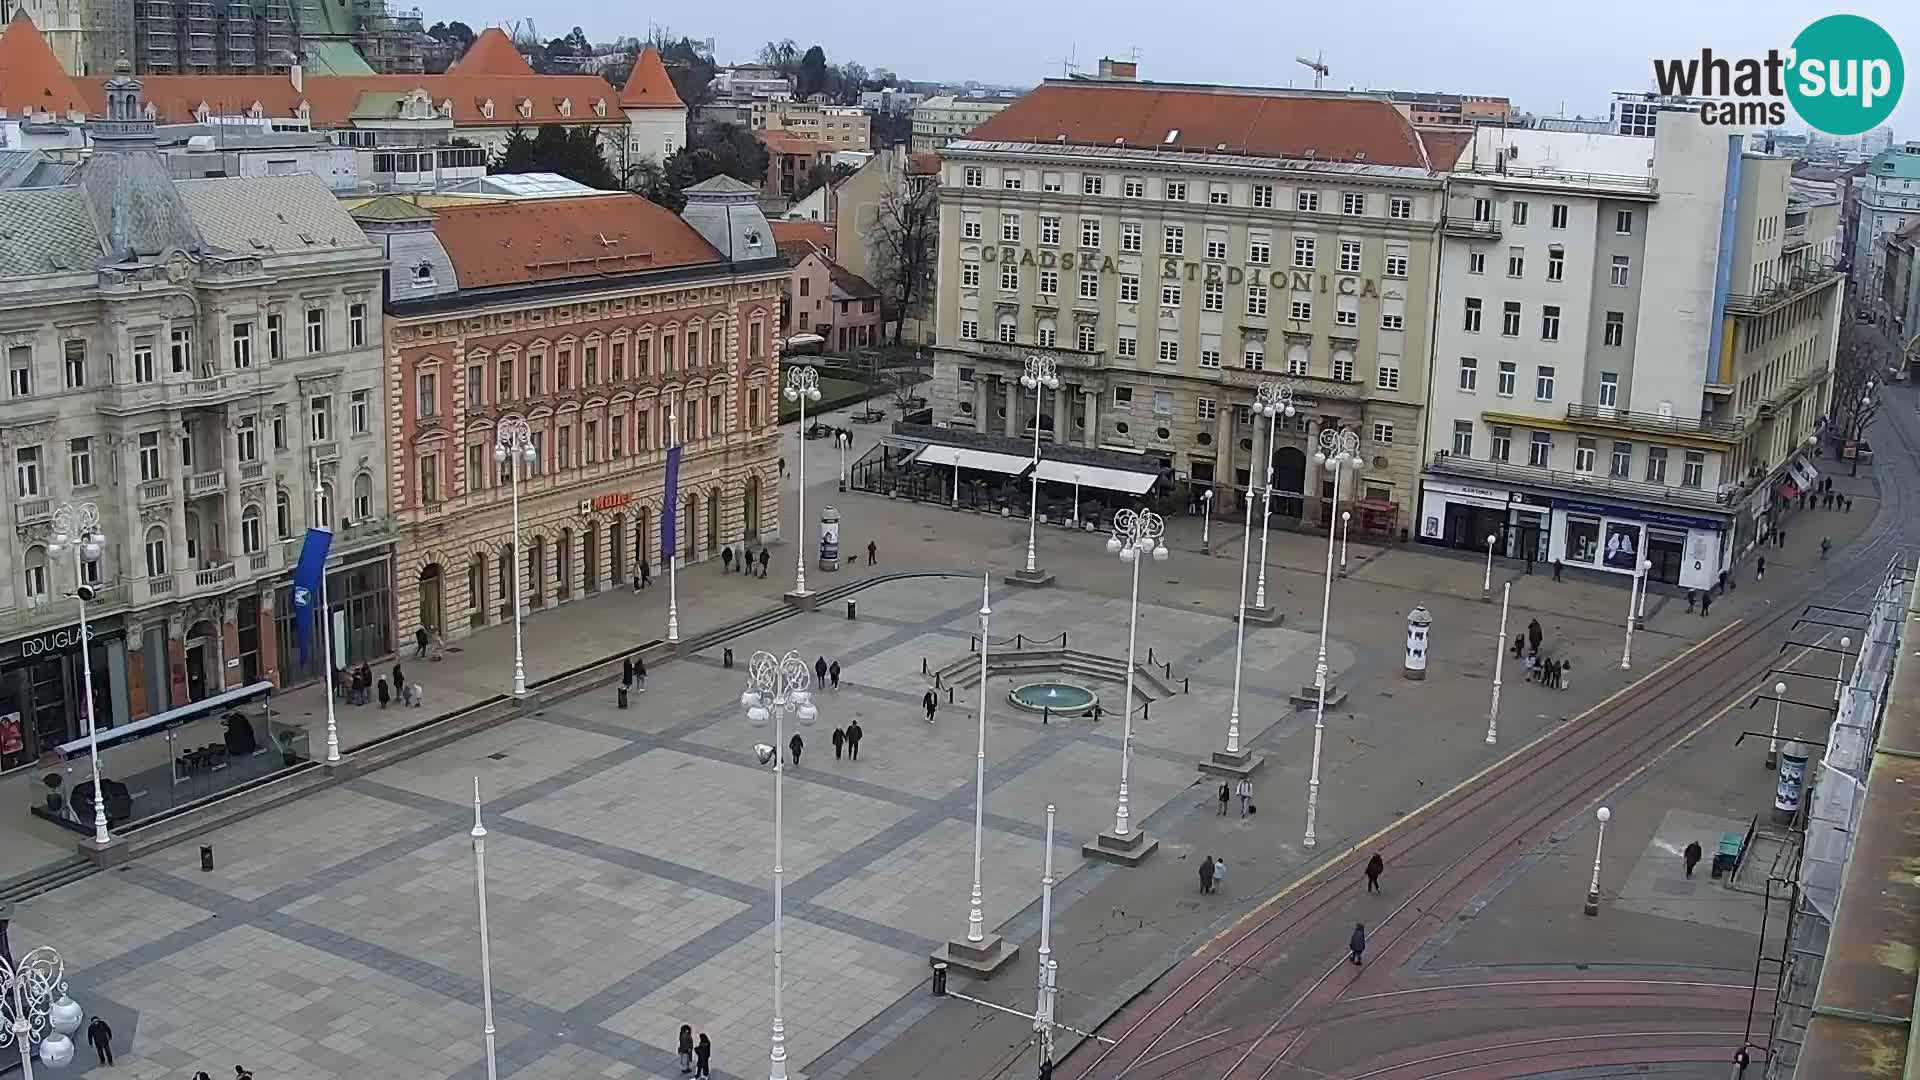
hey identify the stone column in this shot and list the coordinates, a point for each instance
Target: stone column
(177, 517)
(230, 466)
(1062, 416)
(981, 422)
(1011, 388)
(1223, 486)
(1093, 419)
(133, 531)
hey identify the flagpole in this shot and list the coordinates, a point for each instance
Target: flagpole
(326, 624)
(673, 549)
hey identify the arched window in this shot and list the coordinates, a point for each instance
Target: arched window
(157, 551)
(282, 514)
(363, 496)
(251, 540)
(1009, 329)
(35, 584)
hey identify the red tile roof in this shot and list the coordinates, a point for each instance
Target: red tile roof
(1444, 147)
(815, 234)
(492, 53)
(923, 165)
(540, 240)
(853, 285)
(780, 142)
(649, 87)
(1265, 123)
(31, 79)
(332, 98)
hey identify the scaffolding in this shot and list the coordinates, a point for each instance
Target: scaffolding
(232, 37)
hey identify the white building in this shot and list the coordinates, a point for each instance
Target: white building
(182, 355)
(940, 120)
(1889, 197)
(1632, 348)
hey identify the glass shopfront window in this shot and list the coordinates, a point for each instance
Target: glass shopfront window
(42, 689)
(361, 603)
(1583, 539)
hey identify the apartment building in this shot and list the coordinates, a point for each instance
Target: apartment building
(192, 360)
(1888, 200)
(940, 120)
(614, 330)
(839, 128)
(1451, 110)
(1173, 247)
(1633, 344)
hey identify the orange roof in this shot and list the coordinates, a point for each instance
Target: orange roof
(648, 86)
(780, 142)
(517, 243)
(333, 98)
(1265, 123)
(923, 165)
(31, 79)
(492, 53)
(796, 239)
(1444, 147)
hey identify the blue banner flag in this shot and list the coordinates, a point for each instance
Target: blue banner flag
(670, 510)
(306, 587)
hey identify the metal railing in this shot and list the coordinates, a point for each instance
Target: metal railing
(1610, 181)
(1661, 422)
(1455, 465)
(1781, 294)
(61, 610)
(1474, 228)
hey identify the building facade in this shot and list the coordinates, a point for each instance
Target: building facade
(1633, 342)
(663, 336)
(1451, 110)
(1173, 247)
(192, 359)
(840, 128)
(1888, 197)
(940, 120)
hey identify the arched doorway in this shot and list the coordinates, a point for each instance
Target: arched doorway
(432, 599)
(203, 660)
(1289, 482)
(689, 518)
(751, 508)
(617, 548)
(642, 532)
(713, 521)
(592, 560)
(477, 591)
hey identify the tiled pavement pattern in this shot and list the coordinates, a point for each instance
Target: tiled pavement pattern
(628, 860)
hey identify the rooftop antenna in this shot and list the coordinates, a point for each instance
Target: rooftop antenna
(1067, 66)
(1318, 66)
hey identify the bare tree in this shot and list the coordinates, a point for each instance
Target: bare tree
(1858, 370)
(903, 237)
(907, 373)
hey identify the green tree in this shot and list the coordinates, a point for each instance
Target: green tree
(812, 77)
(690, 69)
(573, 152)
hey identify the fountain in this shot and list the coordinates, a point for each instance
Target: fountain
(1061, 699)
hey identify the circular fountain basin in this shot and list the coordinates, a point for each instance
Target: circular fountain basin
(1062, 698)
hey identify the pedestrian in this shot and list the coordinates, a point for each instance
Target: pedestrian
(1760, 571)
(703, 1055)
(1740, 1063)
(626, 671)
(1692, 856)
(1519, 645)
(242, 1074)
(1565, 666)
(1706, 603)
(640, 673)
(746, 558)
(931, 702)
(833, 674)
(1723, 583)
(1534, 634)
(795, 745)
(1219, 872)
(1225, 793)
(636, 584)
(1693, 598)
(686, 1049)
(1357, 944)
(399, 679)
(1206, 875)
(1375, 867)
(853, 740)
(1244, 789)
(1556, 569)
(202, 1075)
(646, 574)
(1848, 504)
(385, 695)
(873, 553)
(1780, 538)
(100, 1037)
(1529, 562)
(726, 559)
(420, 639)
(416, 695)
(820, 671)
(839, 742)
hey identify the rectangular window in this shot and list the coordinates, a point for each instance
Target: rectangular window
(1049, 282)
(1396, 266)
(1585, 453)
(1476, 262)
(1693, 469)
(1540, 450)
(1307, 202)
(1125, 344)
(26, 472)
(1556, 266)
(76, 364)
(1558, 218)
(246, 439)
(426, 396)
(280, 431)
(1134, 188)
(477, 455)
(1257, 300)
(1469, 374)
(357, 325)
(505, 390)
(537, 375)
(1010, 227)
(316, 330)
(1090, 286)
(1170, 296)
(1123, 398)
(1510, 319)
(1349, 256)
(1463, 438)
(1508, 378)
(1623, 222)
(1206, 409)
(1516, 261)
(1353, 203)
(1622, 272)
(1519, 212)
(1210, 351)
(970, 227)
(1090, 232)
(360, 411)
(151, 467)
(1483, 209)
(80, 462)
(1129, 288)
(1130, 232)
(1214, 296)
(1383, 433)
(1169, 351)
(143, 367)
(1174, 240)
(1009, 332)
(1622, 465)
(1045, 335)
(1085, 339)
(969, 275)
(1050, 230)
(1615, 332)
(1549, 323)
(20, 371)
(1400, 208)
(1501, 448)
(1343, 367)
(1472, 324)
(430, 478)
(320, 420)
(273, 336)
(973, 177)
(1253, 355)
(1010, 180)
(969, 330)
(1009, 277)
(1609, 389)
(1093, 185)
(1301, 311)
(1163, 403)
(1543, 383)
(1218, 195)
(1263, 196)
(1393, 320)
(1656, 464)
(1216, 245)
(1176, 191)
(1303, 252)
(1298, 363)
(181, 350)
(1259, 247)
(1386, 374)
(591, 356)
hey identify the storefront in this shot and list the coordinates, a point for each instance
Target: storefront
(1686, 551)
(1463, 516)
(42, 685)
(360, 605)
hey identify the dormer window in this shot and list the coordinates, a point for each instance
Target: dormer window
(600, 107)
(445, 108)
(257, 111)
(151, 112)
(486, 108)
(565, 105)
(422, 275)
(201, 112)
(526, 108)
(305, 111)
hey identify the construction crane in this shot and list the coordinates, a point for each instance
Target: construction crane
(1318, 66)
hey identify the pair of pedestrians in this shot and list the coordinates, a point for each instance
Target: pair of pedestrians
(634, 671)
(826, 674)
(847, 739)
(1357, 941)
(696, 1058)
(1243, 789)
(1213, 871)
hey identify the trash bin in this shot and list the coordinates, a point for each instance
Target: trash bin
(623, 697)
(940, 980)
(850, 611)
(726, 657)
(206, 858)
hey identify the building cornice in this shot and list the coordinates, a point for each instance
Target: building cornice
(515, 297)
(1150, 159)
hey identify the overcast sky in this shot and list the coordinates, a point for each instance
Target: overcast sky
(1543, 57)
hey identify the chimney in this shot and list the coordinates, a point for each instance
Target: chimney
(1119, 70)
(299, 79)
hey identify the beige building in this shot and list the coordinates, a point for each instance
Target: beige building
(1173, 247)
(938, 121)
(838, 127)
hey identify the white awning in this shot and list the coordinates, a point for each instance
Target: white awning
(984, 460)
(1095, 476)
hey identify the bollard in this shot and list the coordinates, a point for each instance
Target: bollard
(206, 858)
(923, 665)
(1186, 684)
(1019, 641)
(1150, 654)
(1146, 711)
(1046, 714)
(949, 695)
(1168, 668)
(850, 611)
(623, 694)
(936, 681)
(726, 657)
(940, 980)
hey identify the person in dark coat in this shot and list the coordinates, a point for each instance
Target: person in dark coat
(1357, 944)
(420, 641)
(399, 679)
(646, 574)
(873, 553)
(626, 671)
(703, 1057)
(1225, 794)
(796, 745)
(839, 742)
(1534, 634)
(1692, 857)
(640, 672)
(1760, 570)
(384, 694)
(820, 671)
(853, 740)
(1706, 601)
(686, 1050)
(100, 1037)
(726, 560)
(764, 560)
(833, 674)
(1375, 867)
(1206, 874)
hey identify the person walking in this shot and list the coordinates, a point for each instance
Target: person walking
(1760, 570)
(853, 740)
(385, 695)
(839, 742)
(1225, 793)
(1706, 602)
(1219, 872)
(873, 553)
(796, 745)
(931, 701)
(833, 674)
(420, 640)
(646, 574)
(726, 560)
(703, 1058)
(1826, 545)
(100, 1037)
(764, 560)
(1206, 875)
(626, 671)
(242, 1074)
(686, 1049)
(1556, 569)
(1780, 538)
(819, 671)
(416, 695)
(1244, 789)
(1534, 635)
(1375, 867)
(1357, 944)
(640, 673)
(1692, 856)
(1693, 597)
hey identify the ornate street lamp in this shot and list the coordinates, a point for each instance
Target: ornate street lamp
(803, 385)
(1043, 373)
(76, 529)
(1339, 451)
(1272, 400)
(513, 447)
(776, 684)
(34, 1006)
(1135, 533)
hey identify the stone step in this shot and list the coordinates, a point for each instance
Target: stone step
(964, 672)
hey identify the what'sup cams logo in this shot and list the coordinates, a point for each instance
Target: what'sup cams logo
(1843, 75)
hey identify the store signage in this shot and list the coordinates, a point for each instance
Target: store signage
(602, 503)
(1655, 517)
(1177, 270)
(1477, 492)
(53, 641)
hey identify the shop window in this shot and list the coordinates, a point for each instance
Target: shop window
(1583, 539)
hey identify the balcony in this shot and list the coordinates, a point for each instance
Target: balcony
(1653, 423)
(157, 588)
(27, 511)
(1752, 304)
(61, 610)
(252, 470)
(213, 575)
(1619, 184)
(1575, 483)
(206, 483)
(365, 533)
(173, 392)
(155, 491)
(1466, 228)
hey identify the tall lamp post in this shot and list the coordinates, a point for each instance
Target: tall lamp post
(1206, 522)
(844, 440)
(1338, 451)
(513, 447)
(1076, 496)
(1499, 661)
(1135, 533)
(34, 1005)
(673, 549)
(1601, 815)
(1486, 581)
(1048, 982)
(76, 529)
(479, 835)
(1845, 644)
(1272, 400)
(976, 923)
(1773, 737)
(803, 385)
(321, 512)
(1346, 519)
(774, 685)
(1626, 651)
(1043, 373)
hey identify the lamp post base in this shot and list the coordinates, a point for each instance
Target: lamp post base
(805, 600)
(1593, 903)
(1772, 760)
(981, 959)
(1486, 595)
(1265, 616)
(1309, 695)
(1129, 850)
(1235, 766)
(112, 853)
(1038, 578)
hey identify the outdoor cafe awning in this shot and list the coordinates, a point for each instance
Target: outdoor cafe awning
(1095, 476)
(982, 460)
